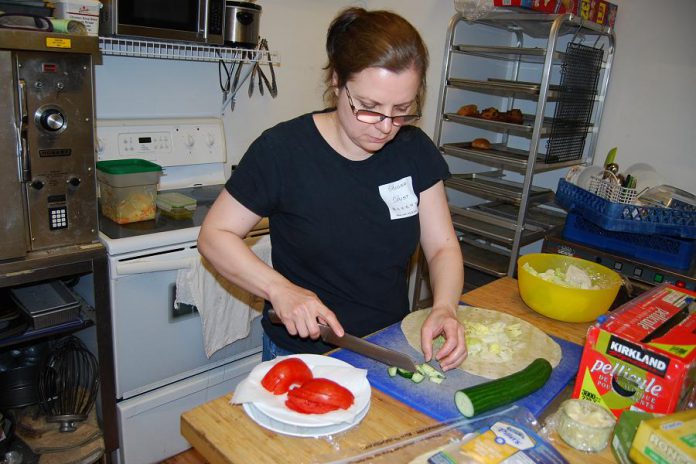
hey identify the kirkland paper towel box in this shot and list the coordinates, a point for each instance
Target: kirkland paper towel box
(85, 11)
(643, 356)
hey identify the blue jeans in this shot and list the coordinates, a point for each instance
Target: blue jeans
(271, 350)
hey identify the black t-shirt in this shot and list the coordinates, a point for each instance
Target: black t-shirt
(343, 229)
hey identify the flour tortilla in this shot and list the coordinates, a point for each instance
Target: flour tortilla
(536, 343)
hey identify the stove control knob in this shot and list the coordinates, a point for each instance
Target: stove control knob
(52, 120)
(189, 141)
(74, 181)
(210, 139)
(37, 184)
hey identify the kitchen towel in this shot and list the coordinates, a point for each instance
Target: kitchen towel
(226, 310)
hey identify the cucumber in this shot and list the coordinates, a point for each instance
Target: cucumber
(423, 371)
(430, 372)
(480, 398)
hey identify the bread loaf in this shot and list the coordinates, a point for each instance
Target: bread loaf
(481, 144)
(468, 110)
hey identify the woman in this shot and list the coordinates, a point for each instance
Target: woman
(349, 192)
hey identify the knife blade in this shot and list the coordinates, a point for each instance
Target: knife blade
(361, 346)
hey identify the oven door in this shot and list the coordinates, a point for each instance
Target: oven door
(156, 343)
(190, 20)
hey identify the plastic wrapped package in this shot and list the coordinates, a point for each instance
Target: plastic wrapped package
(583, 425)
(473, 9)
(503, 436)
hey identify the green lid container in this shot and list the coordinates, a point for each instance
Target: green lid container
(128, 166)
(128, 172)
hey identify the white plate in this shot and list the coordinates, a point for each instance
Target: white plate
(299, 431)
(337, 370)
(585, 176)
(645, 174)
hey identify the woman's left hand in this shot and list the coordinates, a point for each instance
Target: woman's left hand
(443, 321)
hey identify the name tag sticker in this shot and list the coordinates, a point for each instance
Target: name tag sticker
(400, 198)
(58, 42)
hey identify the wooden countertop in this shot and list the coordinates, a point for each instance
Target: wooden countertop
(224, 434)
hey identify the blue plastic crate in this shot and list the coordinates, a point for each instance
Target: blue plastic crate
(671, 252)
(621, 217)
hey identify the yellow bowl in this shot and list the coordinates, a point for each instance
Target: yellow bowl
(565, 303)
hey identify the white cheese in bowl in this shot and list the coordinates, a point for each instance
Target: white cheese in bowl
(584, 425)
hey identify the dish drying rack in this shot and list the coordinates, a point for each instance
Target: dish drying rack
(610, 189)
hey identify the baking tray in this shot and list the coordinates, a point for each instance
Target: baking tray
(483, 256)
(492, 226)
(47, 303)
(505, 87)
(500, 155)
(486, 185)
(522, 54)
(543, 215)
(524, 129)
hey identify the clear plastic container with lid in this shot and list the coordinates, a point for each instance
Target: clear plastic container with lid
(176, 205)
(584, 425)
(127, 189)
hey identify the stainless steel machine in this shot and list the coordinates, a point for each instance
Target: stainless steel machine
(47, 181)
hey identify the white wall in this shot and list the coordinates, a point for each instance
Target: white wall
(650, 112)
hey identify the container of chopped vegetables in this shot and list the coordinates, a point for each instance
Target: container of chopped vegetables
(127, 189)
(566, 288)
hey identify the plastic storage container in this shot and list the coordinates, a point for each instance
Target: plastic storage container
(128, 189)
(84, 11)
(176, 205)
(625, 218)
(663, 250)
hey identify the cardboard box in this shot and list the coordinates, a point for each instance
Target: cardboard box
(625, 432)
(643, 356)
(84, 11)
(596, 11)
(669, 439)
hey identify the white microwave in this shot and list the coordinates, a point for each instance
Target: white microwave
(201, 21)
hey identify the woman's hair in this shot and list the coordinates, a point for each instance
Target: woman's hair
(358, 39)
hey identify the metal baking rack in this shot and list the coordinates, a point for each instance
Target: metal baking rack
(501, 156)
(141, 48)
(491, 185)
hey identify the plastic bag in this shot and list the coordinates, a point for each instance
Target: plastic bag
(473, 9)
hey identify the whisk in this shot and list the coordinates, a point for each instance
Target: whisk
(68, 383)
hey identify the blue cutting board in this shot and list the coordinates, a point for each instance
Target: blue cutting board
(437, 401)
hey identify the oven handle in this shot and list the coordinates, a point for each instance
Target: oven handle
(158, 263)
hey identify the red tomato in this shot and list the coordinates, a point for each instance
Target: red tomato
(318, 396)
(307, 407)
(285, 374)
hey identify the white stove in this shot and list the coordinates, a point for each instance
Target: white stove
(161, 369)
(192, 153)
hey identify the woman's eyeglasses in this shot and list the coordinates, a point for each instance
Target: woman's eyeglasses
(373, 117)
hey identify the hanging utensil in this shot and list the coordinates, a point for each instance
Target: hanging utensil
(273, 88)
(237, 73)
(251, 80)
(224, 77)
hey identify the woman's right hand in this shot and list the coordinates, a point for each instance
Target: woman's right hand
(301, 310)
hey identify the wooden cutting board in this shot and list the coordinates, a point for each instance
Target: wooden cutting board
(437, 400)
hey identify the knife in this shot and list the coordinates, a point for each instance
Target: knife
(360, 346)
